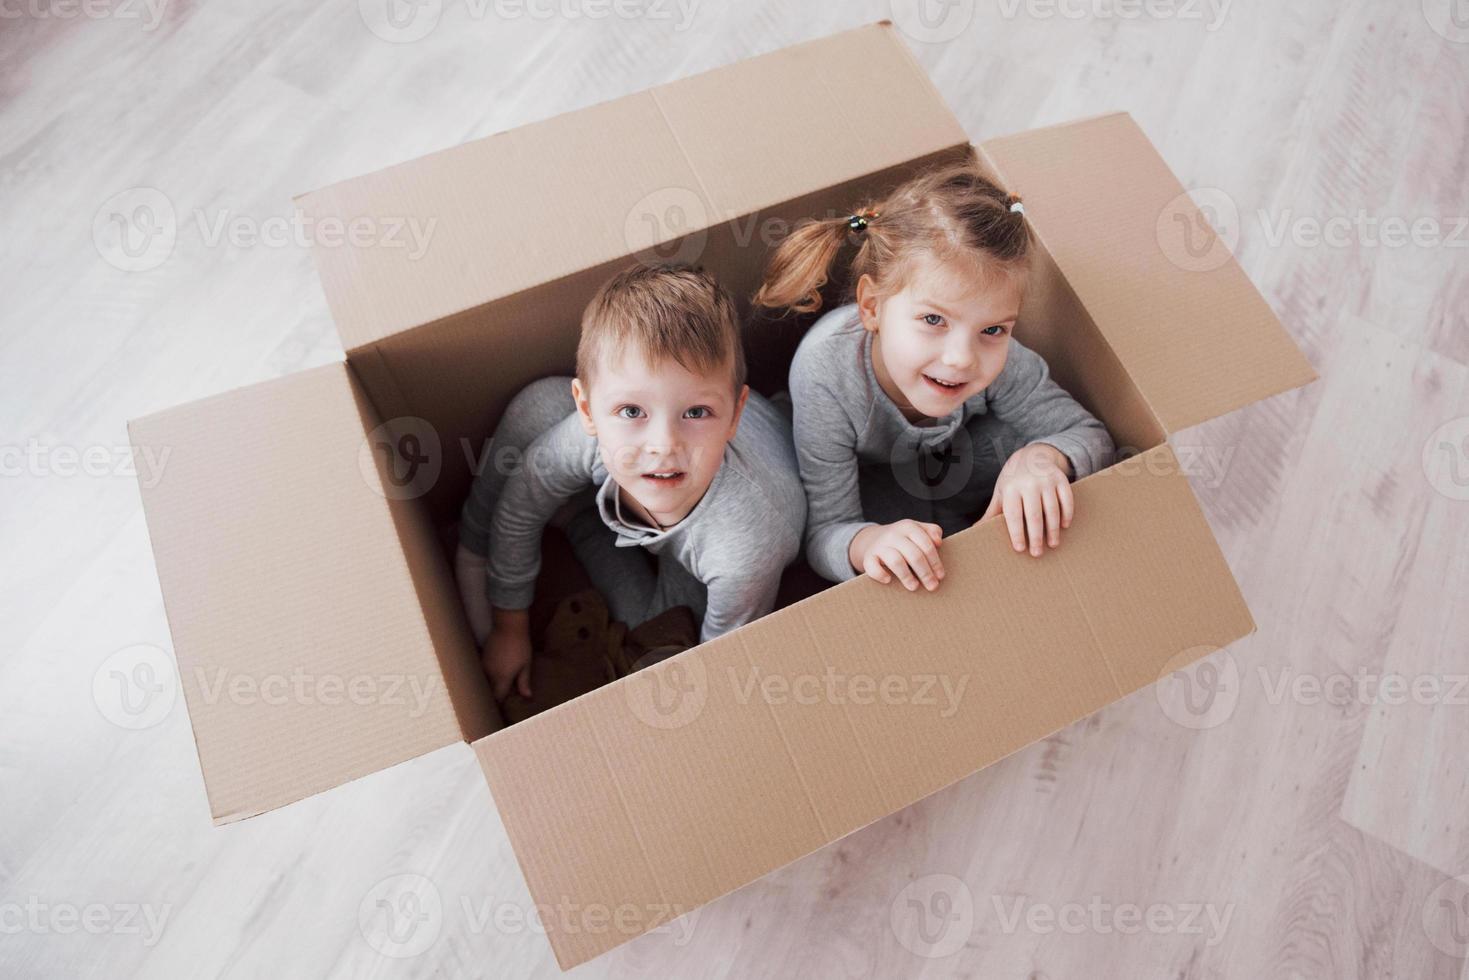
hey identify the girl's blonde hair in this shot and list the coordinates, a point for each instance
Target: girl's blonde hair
(951, 212)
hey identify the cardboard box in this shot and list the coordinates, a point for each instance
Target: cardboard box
(296, 557)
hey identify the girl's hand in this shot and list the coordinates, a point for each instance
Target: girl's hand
(1034, 493)
(907, 549)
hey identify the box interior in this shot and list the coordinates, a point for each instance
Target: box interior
(458, 373)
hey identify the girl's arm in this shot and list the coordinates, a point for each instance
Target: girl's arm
(826, 454)
(1041, 411)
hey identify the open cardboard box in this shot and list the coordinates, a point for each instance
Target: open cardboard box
(289, 546)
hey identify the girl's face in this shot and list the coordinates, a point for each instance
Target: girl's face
(943, 337)
(661, 429)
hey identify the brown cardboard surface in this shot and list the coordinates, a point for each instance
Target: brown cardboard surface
(1192, 330)
(627, 175)
(282, 572)
(680, 783)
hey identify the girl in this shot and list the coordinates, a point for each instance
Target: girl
(914, 405)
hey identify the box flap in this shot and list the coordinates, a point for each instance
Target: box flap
(1192, 330)
(304, 652)
(850, 705)
(617, 178)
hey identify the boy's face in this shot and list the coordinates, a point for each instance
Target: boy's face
(947, 324)
(661, 429)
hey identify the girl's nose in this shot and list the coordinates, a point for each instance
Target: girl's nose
(958, 354)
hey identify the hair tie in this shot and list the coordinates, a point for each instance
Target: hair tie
(858, 222)
(1017, 208)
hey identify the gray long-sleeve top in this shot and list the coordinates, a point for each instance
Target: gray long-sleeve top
(843, 418)
(737, 540)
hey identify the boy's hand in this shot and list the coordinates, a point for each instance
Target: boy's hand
(1034, 493)
(506, 654)
(907, 549)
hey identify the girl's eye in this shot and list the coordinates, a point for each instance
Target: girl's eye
(932, 319)
(994, 331)
(622, 412)
(703, 412)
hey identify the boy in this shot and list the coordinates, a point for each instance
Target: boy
(657, 443)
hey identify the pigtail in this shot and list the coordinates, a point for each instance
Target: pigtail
(801, 265)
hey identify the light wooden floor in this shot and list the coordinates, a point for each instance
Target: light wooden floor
(1296, 836)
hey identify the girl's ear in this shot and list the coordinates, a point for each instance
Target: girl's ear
(583, 398)
(869, 303)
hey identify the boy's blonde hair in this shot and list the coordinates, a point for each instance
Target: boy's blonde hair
(665, 312)
(952, 212)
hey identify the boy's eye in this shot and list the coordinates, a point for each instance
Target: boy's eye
(699, 412)
(628, 412)
(994, 331)
(932, 319)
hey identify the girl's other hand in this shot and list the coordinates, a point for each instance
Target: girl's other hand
(907, 549)
(1034, 493)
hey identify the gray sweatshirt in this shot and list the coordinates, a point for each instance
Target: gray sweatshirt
(736, 541)
(861, 459)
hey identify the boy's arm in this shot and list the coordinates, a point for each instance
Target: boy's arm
(1025, 397)
(826, 454)
(556, 466)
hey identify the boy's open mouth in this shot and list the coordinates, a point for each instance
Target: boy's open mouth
(666, 478)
